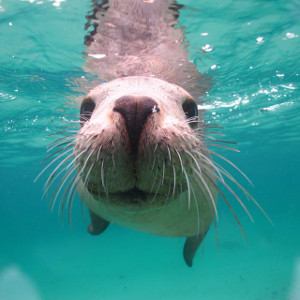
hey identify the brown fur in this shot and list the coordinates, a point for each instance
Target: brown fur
(139, 54)
(140, 39)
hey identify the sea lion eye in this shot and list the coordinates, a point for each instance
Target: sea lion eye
(190, 108)
(86, 109)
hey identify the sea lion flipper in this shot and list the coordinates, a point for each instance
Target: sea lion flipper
(98, 225)
(190, 247)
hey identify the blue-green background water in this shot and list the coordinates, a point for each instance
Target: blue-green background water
(254, 67)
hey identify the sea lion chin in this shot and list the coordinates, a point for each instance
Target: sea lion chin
(138, 154)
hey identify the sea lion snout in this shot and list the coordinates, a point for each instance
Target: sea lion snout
(135, 111)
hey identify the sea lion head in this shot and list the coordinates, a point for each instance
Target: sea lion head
(139, 142)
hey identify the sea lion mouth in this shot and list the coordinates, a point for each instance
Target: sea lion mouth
(133, 195)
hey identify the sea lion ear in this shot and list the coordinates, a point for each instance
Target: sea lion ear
(190, 247)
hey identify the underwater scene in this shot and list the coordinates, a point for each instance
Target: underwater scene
(249, 53)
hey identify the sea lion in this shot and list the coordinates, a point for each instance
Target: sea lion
(142, 162)
(140, 157)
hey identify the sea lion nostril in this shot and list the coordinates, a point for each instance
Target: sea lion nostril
(135, 110)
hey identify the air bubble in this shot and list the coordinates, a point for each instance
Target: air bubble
(207, 48)
(260, 40)
(291, 35)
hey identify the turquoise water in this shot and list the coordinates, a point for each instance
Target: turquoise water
(254, 68)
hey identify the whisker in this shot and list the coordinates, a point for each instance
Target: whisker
(64, 132)
(238, 199)
(99, 152)
(246, 193)
(198, 228)
(211, 163)
(68, 190)
(64, 198)
(57, 151)
(72, 187)
(212, 126)
(203, 182)
(54, 174)
(88, 174)
(113, 160)
(174, 181)
(102, 176)
(153, 185)
(153, 163)
(200, 176)
(163, 172)
(188, 188)
(233, 165)
(71, 191)
(71, 199)
(224, 147)
(64, 180)
(51, 163)
(202, 132)
(169, 153)
(230, 207)
(221, 141)
(62, 162)
(59, 141)
(180, 159)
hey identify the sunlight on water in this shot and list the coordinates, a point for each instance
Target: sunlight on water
(249, 52)
(295, 291)
(15, 285)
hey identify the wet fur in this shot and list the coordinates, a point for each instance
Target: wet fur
(139, 38)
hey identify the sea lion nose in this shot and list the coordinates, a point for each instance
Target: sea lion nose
(135, 110)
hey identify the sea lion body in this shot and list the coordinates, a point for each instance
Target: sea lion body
(140, 158)
(140, 153)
